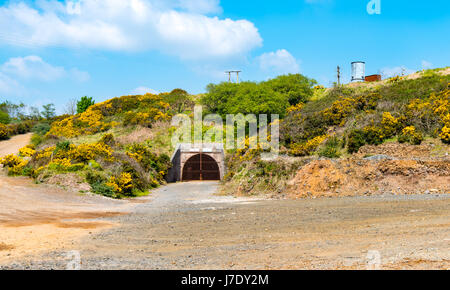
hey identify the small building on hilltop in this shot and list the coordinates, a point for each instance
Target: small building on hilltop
(197, 161)
(373, 78)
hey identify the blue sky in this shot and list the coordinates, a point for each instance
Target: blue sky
(53, 51)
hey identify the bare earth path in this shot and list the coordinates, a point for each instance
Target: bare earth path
(13, 145)
(186, 226)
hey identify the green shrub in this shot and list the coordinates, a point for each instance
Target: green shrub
(373, 135)
(41, 128)
(63, 146)
(356, 139)
(36, 139)
(331, 149)
(98, 184)
(103, 189)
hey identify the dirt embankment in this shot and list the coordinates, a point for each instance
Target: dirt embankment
(387, 169)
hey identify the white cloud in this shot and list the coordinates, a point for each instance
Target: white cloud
(389, 72)
(281, 62)
(33, 67)
(426, 64)
(177, 27)
(143, 91)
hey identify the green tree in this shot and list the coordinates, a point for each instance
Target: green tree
(4, 118)
(84, 104)
(179, 100)
(245, 98)
(296, 87)
(14, 111)
(49, 111)
(270, 97)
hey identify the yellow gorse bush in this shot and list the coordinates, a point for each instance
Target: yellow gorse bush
(409, 131)
(295, 108)
(86, 152)
(27, 151)
(445, 132)
(436, 106)
(4, 133)
(337, 113)
(45, 153)
(389, 124)
(14, 163)
(307, 148)
(61, 164)
(93, 121)
(121, 184)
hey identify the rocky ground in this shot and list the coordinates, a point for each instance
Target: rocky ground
(187, 226)
(184, 226)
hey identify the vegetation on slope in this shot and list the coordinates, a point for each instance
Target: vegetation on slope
(114, 146)
(337, 122)
(121, 146)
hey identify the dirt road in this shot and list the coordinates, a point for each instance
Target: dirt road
(186, 226)
(13, 145)
(183, 226)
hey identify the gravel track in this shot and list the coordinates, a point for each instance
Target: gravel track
(185, 226)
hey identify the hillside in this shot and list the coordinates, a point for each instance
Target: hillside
(118, 148)
(333, 141)
(348, 140)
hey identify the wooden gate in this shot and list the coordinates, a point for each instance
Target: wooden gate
(201, 167)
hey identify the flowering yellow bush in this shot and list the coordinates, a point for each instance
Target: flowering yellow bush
(410, 135)
(373, 135)
(15, 164)
(339, 110)
(445, 132)
(122, 184)
(160, 116)
(60, 164)
(337, 113)
(27, 151)
(296, 108)
(4, 134)
(151, 108)
(396, 79)
(307, 148)
(64, 128)
(86, 152)
(389, 124)
(45, 153)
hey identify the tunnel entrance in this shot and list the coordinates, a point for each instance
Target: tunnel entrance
(201, 167)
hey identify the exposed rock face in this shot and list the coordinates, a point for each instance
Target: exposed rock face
(355, 176)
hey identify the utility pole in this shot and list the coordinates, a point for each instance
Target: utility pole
(339, 76)
(233, 71)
